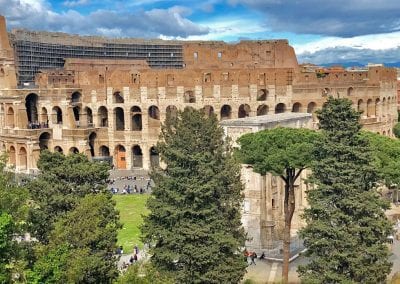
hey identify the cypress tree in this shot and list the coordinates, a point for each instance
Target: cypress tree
(346, 225)
(194, 228)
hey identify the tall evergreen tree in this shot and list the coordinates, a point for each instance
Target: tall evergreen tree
(346, 226)
(194, 227)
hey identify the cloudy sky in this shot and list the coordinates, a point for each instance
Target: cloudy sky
(321, 31)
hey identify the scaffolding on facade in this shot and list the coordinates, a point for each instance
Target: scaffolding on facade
(35, 51)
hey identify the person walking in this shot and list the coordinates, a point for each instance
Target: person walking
(253, 256)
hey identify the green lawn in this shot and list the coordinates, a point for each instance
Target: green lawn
(131, 208)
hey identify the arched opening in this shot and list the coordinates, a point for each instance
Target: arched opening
(57, 115)
(89, 116)
(171, 112)
(137, 157)
(31, 107)
(44, 118)
(262, 95)
(377, 105)
(73, 150)
(2, 73)
(208, 110)
(154, 117)
(244, 111)
(311, 107)
(280, 108)
(10, 117)
(76, 98)
(92, 141)
(350, 91)
(44, 141)
(77, 113)
(120, 157)
(154, 112)
(361, 107)
(119, 119)
(262, 110)
(103, 116)
(226, 112)
(296, 107)
(370, 108)
(12, 158)
(383, 108)
(118, 98)
(136, 118)
(104, 151)
(23, 159)
(189, 97)
(58, 149)
(154, 157)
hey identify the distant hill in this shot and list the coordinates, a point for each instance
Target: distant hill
(358, 64)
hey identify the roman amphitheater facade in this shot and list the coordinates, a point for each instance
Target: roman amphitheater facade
(108, 97)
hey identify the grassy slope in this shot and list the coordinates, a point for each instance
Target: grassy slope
(131, 208)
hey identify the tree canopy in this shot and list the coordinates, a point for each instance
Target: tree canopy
(346, 226)
(194, 228)
(284, 152)
(62, 181)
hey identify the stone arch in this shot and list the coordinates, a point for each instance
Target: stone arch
(189, 97)
(57, 115)
(31, 101)
(12, 156)
(154, 116)
(10, 120)
(377, 106)
(23, 159)
(226, 112)
(104, 151)
(119, 119)
(76, 98)
(89, 116)
(154, 157)
(44, 140)
(262, 110)
(120, 157)
(383, 108)
(171, 111)
(244, 111)
(350, 91)
(2, 73)
(73, 150)
(77, 113)
(154, 112)
(59, 149)
(208, 110)
(44, 117)
(136, 118)
(296, 107)
(280, 108)
(311, 107)
(137, 157)
(262, 95)
(92, 143)
(361, 106)
(102, 115)
(370, 108)
(118, 98)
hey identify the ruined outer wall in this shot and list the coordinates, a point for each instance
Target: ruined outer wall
(7, 65)
(234, 80)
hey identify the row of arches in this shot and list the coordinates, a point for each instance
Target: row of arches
(22, 157)
(119, 155)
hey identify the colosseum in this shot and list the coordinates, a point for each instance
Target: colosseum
(107, 97)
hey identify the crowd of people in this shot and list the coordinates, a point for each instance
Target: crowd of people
(129, 185)
(37, 125)
(133, 258)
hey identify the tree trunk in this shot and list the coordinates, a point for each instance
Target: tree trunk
(289, 206)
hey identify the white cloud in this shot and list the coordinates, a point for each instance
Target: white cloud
(373, 42)
(75, 3)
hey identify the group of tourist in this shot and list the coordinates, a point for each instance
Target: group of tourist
(129, 185)
(37, 125)
(133, 258)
